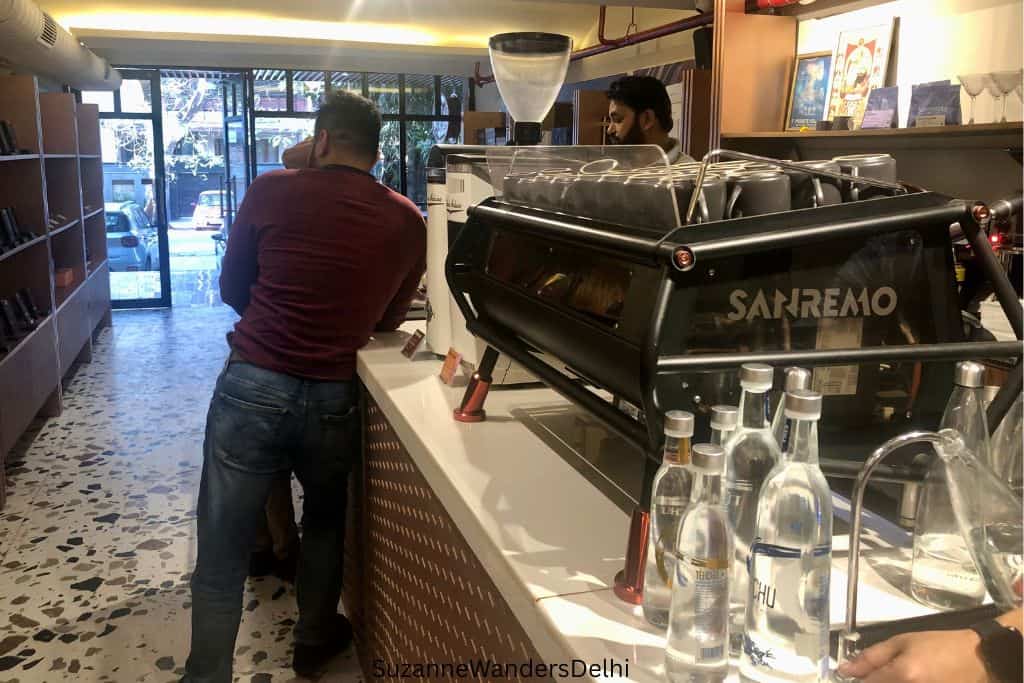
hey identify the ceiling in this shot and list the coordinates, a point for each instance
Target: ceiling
(349, 28)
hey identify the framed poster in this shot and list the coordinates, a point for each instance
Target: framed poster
(859, 64)
(808, 90)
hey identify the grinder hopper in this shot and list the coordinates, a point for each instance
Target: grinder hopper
(529, 69)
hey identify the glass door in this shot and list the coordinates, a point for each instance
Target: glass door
(237, 161)
(135, 217)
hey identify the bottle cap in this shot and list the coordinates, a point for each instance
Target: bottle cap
(797, 378)
(969, 374)
(802, 404)
(708, 457)
(756, 376)
(679, 424)
(724, 418)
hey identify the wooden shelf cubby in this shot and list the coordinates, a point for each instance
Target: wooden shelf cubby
(63, 196)
(96, 239)
(19, 105)
(91, 170)
(21, 188)
(68, 251)
(60, 124)
(88, 130)
(60, 171)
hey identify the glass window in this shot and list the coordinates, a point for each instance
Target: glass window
(270, 90)
(104, 99)
(136, 96)
(347, 80)
(116, 221)
(193, 122)
(419, 95)
(122, 190)
(274, 136)
(453, 95)
(420, 138)
(307, 90)
(389, 169)
(384, 92)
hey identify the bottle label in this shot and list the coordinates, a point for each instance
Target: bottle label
(788, 587)
(706, 580)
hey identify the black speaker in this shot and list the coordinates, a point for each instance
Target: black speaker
(702, 48)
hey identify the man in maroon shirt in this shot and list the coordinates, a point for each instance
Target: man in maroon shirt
(317, 259)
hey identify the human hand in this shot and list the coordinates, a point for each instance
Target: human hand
(924, 657)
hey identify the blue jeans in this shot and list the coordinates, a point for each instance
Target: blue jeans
(261, 426)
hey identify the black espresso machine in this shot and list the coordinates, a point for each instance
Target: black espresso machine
(632, 287)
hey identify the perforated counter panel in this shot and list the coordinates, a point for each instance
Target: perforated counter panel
(413, 587)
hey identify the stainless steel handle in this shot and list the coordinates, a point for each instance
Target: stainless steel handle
(729, 154)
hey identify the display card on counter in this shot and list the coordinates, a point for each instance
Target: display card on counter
(409, 350)
(451, 366)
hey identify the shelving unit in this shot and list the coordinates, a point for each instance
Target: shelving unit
(753, 62)
(61, 174)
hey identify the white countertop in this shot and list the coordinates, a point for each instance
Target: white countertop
(549, 540)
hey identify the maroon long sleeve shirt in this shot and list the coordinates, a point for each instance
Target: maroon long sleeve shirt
(317, 259)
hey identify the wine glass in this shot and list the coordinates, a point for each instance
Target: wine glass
(973, 84)
(994, 91)
(1007, 82)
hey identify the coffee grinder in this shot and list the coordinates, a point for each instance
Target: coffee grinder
(529, 69)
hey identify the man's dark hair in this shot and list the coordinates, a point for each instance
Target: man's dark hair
(641, 93)
(351, 120)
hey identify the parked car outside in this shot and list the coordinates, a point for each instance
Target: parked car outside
(132, 241)
(209, 212)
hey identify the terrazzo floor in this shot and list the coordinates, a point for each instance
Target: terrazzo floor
(97, 540)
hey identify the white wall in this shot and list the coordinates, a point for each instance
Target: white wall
(937, 40)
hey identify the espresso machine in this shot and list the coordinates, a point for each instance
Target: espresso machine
(640, 280)
(530, 69)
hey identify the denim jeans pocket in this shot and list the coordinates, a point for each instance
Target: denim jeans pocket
(246, 432)
(340, 436)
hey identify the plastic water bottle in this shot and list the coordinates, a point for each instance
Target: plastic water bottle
(723, 423)
(787, 617)
(943, 574)
(750, 454)
(796, 378)
(670, 496)
(698, 630)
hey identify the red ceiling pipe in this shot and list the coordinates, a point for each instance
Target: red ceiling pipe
(609, 44)
(755, 5)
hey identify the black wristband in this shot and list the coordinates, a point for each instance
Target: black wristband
(1002, 650)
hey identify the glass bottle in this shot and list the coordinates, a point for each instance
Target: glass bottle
(943, 574)
(796, 378)
(670, 494)
(723, 423)
(989, 516)
(750, 454)
(1008, 447)
(698, 630)
(787, 614)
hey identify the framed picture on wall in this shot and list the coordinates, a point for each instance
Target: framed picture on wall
(860, 63)
(808, 91)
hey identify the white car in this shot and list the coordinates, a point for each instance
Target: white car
(209, 212)
(131, 239)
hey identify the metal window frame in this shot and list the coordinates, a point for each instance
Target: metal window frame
(402, 117)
